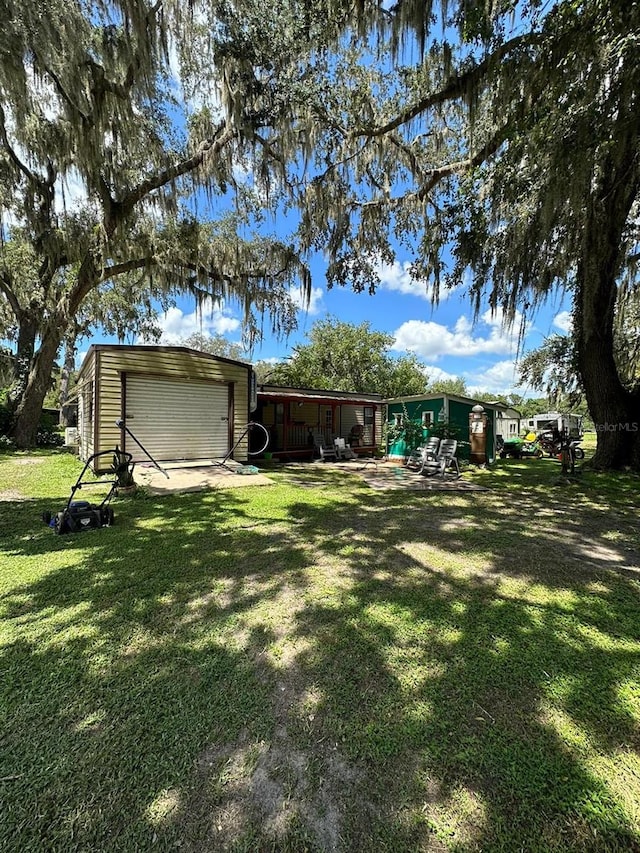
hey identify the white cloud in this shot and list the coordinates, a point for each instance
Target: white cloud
(210, 320)
(563, 321)
(397, 276)
(433, 340)
(500, 378)
(437, 374)
(315, 301)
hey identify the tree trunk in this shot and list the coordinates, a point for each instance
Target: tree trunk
(29, 408)
(65, 380)
(26, 345)
(614, 409)
(610, 197)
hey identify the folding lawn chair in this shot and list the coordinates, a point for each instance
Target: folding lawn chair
(422, 454)
(443, 461)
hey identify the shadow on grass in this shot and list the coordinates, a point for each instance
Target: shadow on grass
(357, 672)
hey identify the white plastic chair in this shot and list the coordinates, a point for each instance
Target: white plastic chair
(344, 450)
(444, 459)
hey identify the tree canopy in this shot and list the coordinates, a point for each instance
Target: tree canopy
(107, 150)
(344, 357)
(497, 138)
(500, 139)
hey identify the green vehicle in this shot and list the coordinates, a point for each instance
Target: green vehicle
(519, 448)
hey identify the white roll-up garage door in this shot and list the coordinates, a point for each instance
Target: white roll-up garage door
(177, 419)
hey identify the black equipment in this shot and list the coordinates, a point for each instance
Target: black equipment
(121, 425)
(82, 515)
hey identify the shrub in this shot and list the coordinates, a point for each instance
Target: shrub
(6, 412)
(49, 438)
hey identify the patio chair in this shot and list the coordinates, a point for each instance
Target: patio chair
(344, 450)
(443, 461)
(355, 435)
(422, 454)
(324, 449)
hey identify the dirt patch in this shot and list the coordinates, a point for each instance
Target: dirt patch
(270, 791)
(396, 477)
(291, 791)
(12, 495)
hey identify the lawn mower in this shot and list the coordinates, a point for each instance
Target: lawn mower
(83, 515)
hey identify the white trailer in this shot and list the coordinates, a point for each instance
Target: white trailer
(550, 420)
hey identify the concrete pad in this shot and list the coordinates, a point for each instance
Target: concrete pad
(195, 477)
(379, 474)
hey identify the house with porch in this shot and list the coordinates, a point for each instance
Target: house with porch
(297, 418)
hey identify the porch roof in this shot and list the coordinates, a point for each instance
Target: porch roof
(312, 396)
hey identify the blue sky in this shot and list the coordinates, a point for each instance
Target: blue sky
(444, 338)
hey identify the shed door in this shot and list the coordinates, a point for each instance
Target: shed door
(176, 418)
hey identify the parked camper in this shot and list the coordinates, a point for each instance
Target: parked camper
(572, 424)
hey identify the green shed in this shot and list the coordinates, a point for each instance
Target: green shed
(438, 414)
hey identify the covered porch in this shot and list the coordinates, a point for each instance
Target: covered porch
(295, 417)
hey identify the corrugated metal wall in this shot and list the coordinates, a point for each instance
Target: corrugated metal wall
(176, 418)
(86, 407)
(355, 415)
(112, 363)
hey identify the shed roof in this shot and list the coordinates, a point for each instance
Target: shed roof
(94, 348)
(316, 395)
(439, 396)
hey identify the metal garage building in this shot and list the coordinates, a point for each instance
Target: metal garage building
(182, 405)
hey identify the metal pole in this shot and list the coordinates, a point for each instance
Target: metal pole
(121, 425)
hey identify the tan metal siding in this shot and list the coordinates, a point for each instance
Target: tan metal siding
(352, 415)
(86, 407)
(171, 364)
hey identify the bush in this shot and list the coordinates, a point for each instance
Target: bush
(49, 438)
(48, 434)
(408, 431)
(6, 412)
(445, 429)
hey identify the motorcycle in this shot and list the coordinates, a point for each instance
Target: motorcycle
(554, 444)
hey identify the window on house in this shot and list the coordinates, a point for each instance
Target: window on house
(427, 419)
(398, 419)
(368, 415)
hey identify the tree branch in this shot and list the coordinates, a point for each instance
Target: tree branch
(7, 290)
(33, 178)
(63, 92)
(120, 269)
(434, 176)
(456, 88)
(222, 136)
(480, 156)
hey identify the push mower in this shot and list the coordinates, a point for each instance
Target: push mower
(83, 515)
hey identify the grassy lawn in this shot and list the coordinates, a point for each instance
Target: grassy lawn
(320, 666)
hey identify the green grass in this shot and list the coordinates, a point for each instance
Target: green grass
(319, 666)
